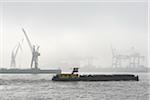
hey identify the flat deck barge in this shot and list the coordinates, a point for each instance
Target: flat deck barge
(96, 77)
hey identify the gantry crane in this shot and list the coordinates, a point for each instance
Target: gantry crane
(133, 58)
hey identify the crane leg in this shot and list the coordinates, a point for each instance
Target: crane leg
(32, 62)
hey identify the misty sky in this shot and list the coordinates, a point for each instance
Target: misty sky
(69, 31)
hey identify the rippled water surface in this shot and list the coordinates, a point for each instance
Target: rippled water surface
(40, 87)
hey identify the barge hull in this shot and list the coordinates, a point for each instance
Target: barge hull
(99, 78)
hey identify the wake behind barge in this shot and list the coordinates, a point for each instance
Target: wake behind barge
(77, 77)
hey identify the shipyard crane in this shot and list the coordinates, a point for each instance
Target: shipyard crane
(34, 50)
(14, 54)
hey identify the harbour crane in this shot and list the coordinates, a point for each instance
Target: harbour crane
(34, 50)
(14, 54)
(133, 58)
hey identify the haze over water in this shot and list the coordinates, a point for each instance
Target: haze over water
(71, 32)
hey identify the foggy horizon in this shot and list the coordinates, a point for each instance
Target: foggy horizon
(73, 32)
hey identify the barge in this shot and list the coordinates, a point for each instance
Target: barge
(74, 76)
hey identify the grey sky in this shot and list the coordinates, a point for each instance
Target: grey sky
(66, 30)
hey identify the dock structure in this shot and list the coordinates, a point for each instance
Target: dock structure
(30, 71)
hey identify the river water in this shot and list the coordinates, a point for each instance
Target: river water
(40, 87)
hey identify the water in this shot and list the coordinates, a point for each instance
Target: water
(40, 87)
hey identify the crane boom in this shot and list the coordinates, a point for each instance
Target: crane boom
(17, 50)
(30, 45)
